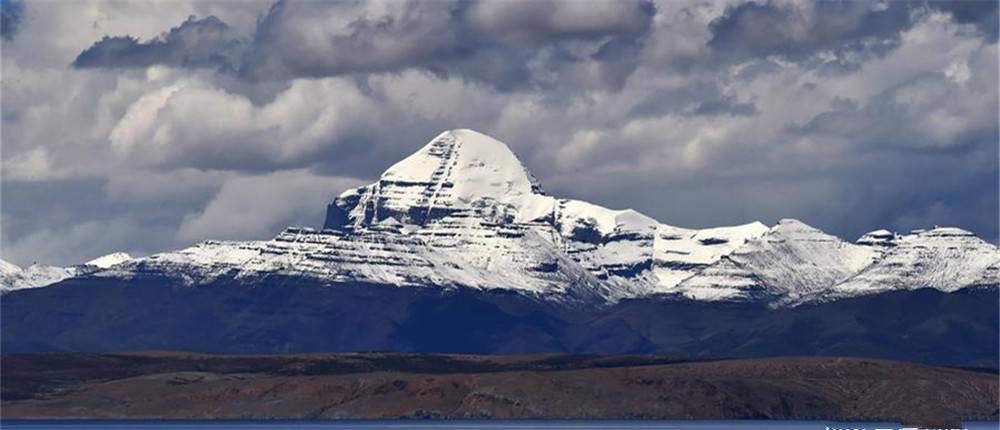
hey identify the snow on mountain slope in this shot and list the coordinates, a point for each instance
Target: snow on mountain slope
(990, 277)
(8, 273)
(8, 268)
(792, 260)
(106, 261)
(458, 170)
(945, 258)
(13, 277)
(585, 220)
(37, 275)
(616, 246)
(382, 255)
(680, 253)
(463, 182)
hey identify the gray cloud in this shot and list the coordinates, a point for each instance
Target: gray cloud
(238, 212)
(508, 45)
(68, 221)
(694, 98)
(491, 42)
(206, 42)
(939, 112)
(798, 30)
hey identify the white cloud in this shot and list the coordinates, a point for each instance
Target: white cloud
(238, 158)
(28, 166)
(53, 33)
(257, 207)
(958, 71)
(74, 244)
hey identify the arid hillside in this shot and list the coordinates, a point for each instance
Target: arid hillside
(381, 385)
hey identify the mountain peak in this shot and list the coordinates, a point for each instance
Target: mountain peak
(109, 260)
(474, 164)
(459, 170)
(793, 226)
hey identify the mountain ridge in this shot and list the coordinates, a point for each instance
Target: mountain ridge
(464, 212)
(476, 258)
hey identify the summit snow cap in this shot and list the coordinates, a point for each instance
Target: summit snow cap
(474, 164)
(458, 170)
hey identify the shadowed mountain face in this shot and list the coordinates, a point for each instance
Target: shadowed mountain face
(287, 315)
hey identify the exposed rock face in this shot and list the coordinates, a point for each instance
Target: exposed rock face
(878, 238)
(464, 212)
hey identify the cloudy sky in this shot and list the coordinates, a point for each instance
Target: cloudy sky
(148, 126)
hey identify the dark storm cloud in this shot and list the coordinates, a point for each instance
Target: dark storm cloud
(287, 42)
(922, 152)
(491, 42)
(11, 13)
(206, 42)
(507, 45)
(798, 30)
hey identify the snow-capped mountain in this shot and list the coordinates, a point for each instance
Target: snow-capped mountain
(945, 258)
(790, 261)
(458, 249)
(13, 277)
(464, 212)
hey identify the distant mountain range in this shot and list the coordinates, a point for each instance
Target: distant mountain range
(463, 218)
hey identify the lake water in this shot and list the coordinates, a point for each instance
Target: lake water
(460, 425)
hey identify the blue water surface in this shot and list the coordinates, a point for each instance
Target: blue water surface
(453, 425)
